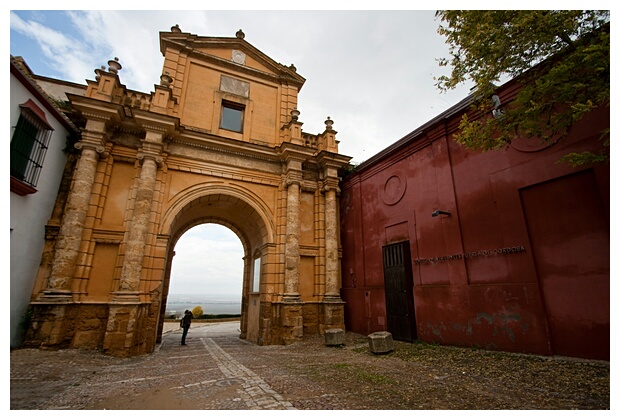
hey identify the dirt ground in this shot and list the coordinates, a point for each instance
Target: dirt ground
(428, 377)
(307, 376)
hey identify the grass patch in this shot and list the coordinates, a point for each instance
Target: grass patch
(375, 378)
(363, 375)
(342, 366)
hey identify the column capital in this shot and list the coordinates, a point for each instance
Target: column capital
(330, 186)
(144, 155)
(289, 182)
(94, 138)
(101, 151)
(330, 183)
(292, 177)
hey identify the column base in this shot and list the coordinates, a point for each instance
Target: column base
(292, 298)
(125, 297)
(56, 296)
(332, 299)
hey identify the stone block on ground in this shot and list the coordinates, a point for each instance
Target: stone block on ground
(381, 342)
(334, 337)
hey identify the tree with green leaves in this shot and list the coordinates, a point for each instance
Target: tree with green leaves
(197, 312)
(562, 58)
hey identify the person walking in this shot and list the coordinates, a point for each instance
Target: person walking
(185, 323)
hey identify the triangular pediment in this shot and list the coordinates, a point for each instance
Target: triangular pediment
(233, 52)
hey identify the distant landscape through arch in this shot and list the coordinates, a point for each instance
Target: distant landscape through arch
(207, 271)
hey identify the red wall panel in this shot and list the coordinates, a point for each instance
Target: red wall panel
(485, 275)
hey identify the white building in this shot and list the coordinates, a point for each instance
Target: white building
(38, 138)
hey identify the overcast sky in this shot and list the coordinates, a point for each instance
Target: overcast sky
(372, 72)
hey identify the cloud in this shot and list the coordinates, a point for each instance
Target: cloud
(209, 259)
(64, 53)
(371, 71)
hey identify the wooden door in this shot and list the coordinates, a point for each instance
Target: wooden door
(398, 279)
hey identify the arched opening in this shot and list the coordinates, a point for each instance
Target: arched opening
(207, 271)
(243, 217)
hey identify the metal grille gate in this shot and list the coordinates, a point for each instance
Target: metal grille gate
(399, 291)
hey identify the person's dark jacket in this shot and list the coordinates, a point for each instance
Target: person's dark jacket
(187, 319)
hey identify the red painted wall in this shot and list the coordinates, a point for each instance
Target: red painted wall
(521, 263)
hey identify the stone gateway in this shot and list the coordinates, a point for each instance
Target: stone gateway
(219, 140)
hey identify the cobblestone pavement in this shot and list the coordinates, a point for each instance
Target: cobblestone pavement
(219, 371)
(200, 375)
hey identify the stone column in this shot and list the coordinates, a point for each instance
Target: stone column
(291, 269)
(332, 314)
(332, 292)
(72, 227)
(138, 229)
